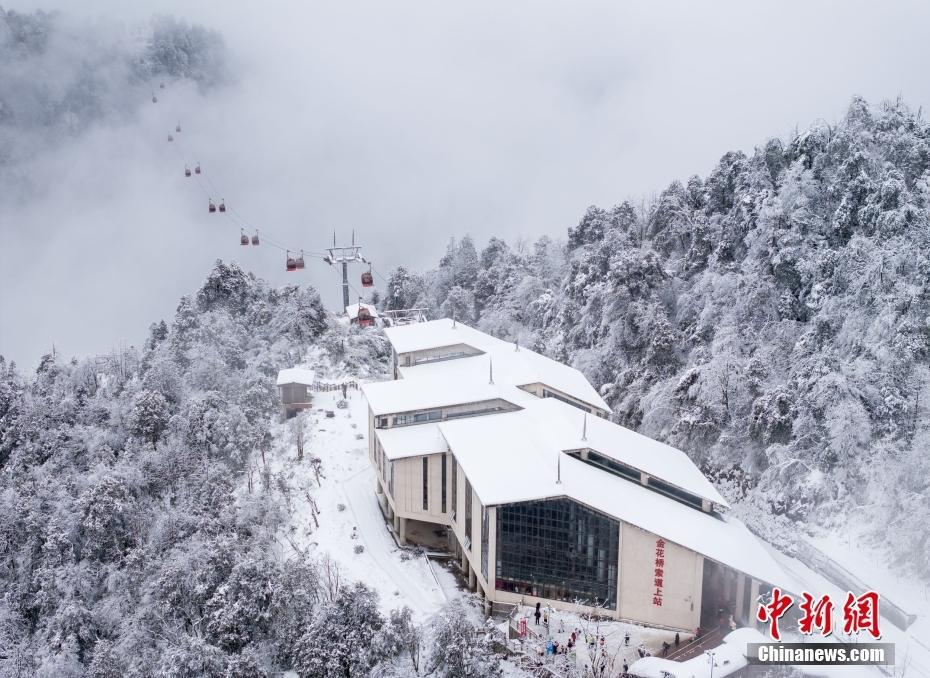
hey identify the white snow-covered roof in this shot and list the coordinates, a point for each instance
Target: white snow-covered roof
(511, 458)
(518, 366)
(296, 375)
(403, 395)
(432, 334)
(353, 309)
(411, 441)
(564, 429)
(729, 657)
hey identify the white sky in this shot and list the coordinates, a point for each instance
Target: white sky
(415, 122)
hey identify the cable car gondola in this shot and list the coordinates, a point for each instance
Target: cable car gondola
(255, 238)
(211, 207)
(197, 169)
(161, 85)
(154, 98)
(187, 171)
(291, 264)
(367, 279)
(243, 238)
(300, 260)
(170, 138)
(178, 127)
(222, 205)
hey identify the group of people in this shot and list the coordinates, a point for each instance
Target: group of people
(592, 640)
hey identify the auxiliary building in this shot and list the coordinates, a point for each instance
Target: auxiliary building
(510, 454)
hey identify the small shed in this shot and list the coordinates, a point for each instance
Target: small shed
(363, 315)
(294, 386)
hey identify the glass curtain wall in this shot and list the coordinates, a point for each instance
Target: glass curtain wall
(557, 549)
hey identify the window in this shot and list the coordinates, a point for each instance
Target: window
(381, 422)
(558, 396)
(439, 357)
(444, 461)
(391, 481)
(417, 417)
(474, 413)
(673, 492)
(607, 464)
(426, 483)
(467, 510)
(485, 539)
(557, 549)
(455, 487)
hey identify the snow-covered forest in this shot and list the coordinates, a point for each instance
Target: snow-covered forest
(140, 527)
(772, 319)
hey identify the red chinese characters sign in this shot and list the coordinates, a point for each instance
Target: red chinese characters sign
(859, 613)
(658, 572)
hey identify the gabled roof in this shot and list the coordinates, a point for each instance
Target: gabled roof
(296, 375)
(411, 441)
(515, 365)
(433, 334)
(513, 457)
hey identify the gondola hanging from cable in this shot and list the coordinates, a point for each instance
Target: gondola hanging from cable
(291, 263)
(255, 238)
(177, 127)
(243, 238)
(300, 260)
(222, 205)
(187, 171)
(211, 206)
(154, 98)
(197, 169)
(367, 279)
(170, 138)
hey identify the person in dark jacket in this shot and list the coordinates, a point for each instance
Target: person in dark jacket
(537, 614)
(677, 640)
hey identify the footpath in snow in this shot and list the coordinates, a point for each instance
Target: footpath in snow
(348, 513)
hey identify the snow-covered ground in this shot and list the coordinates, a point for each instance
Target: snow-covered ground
(349, 515)
(561, 625)
(850, 548)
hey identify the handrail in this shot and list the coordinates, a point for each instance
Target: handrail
(697, 643)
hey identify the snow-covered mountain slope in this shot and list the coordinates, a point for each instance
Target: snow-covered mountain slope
(771, 319)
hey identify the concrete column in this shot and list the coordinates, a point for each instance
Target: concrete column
(402, 533)
(472, 579)
(396, 519)
(465, 566)
(753, 602)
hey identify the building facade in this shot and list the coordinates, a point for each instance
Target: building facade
(542, 498)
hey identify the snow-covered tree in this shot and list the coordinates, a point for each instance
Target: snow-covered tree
(456, 650)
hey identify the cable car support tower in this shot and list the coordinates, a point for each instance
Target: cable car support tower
(345, 255)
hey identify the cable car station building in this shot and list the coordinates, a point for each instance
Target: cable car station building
(542, 497)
